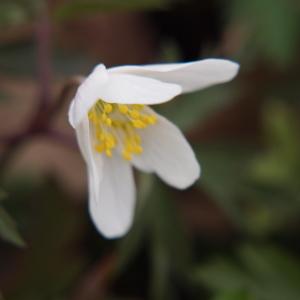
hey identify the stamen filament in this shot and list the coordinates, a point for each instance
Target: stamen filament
(118, 125)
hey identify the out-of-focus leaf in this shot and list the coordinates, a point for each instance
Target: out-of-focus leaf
(279, 165)
(170, 246)
(8, 229)
(11, 14)
(166, 227)
(277, 274)
(130, 245)
(221, 164)
(17, 12)
(276, 33)
(262, 273)
(79, 7)
(53, 228)
(2, 194)
(160, 288)
(229, 175)
(191, 109)
(222, 274)
(234, 295)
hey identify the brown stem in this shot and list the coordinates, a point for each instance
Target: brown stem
(68, 87)
(95, 283)
(43, 39)
(41, 119)
(61, 138)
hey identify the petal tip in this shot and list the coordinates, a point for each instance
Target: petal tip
(231, 69)
(191, 180)
(111, 235)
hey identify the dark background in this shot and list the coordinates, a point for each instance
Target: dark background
(234, 235)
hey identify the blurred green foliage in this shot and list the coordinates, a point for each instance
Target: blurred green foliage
(8, 229)
(279, 165)
(50, 228)
(254, 181)
(273, 27)
(18, 12)
(257, 272)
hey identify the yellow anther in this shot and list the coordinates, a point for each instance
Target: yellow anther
(152, 119)
(138, 149)
(117, 124)
(99, 148)
(138, 124)
(102, 136)
(110, 142)
(92, 117)
(108, 153)
(138, 106)
(90, 114)
(126, 155)
(108, 108)
(123, 108)
(108, 121)
(134, 114)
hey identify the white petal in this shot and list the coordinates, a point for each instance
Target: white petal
(87, 94)
(91, 157)
(118, 88)
(190, 76)
(113, 212)
(168, 154)
(132, 89)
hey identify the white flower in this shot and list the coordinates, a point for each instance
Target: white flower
(116, 130)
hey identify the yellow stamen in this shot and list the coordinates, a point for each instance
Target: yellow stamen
(118, 124)
(138, 124)
(134, 114)
(123, 108)
(108, 108)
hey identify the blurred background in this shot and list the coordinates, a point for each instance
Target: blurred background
(234, 235)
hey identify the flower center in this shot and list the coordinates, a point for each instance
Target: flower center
(118, 125)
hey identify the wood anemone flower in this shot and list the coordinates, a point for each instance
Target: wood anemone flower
(116, 129)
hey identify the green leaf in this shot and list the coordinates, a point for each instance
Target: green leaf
(160, 285)
(11, 14)
(220, 164)
(8, 229)
(171, 251)
(131, 244)
(79, 8)
(279, 164)
(277, 274)
(53, 225)
(2, 194)
(167, 228)
(274, 34)
(257, 272)
(222, 274)
(17, 12)
(234, 295)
